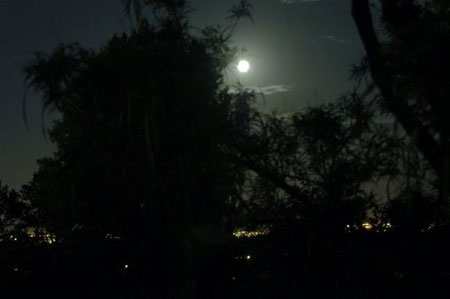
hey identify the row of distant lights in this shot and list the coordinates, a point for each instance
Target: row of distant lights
(251, 233)
(46, 238)
(348, 228)
(51, 239)
(367, 226)
(384, 227)
(379, 227)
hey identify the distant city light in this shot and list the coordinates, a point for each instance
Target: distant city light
(379, 227)
(250, 234)
(367, 226)
(112, 237)
(243, 257)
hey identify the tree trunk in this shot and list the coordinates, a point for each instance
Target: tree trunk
(434, 153)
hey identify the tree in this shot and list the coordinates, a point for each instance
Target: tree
(309, 175)
(15, 213)
(410, 69)
(315, 162)
(139, 145)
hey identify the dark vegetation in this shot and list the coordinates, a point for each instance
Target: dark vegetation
(158, 163)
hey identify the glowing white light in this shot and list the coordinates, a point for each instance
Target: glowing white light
(248, 257)
(243, 66)
(125, 267)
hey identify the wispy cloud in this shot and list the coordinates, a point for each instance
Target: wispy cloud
(265, 90)
(335, 39)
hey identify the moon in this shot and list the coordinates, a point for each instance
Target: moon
(243, 66)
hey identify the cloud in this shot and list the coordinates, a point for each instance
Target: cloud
(335, 39)
(271, 89)
(265, 90)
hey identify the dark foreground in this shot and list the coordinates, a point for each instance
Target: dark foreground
(354, 265)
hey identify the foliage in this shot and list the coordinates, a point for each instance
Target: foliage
(409, 66)
(412, 211)
(157, 161)
(15, 213)
(139, 146)
(313, 165)
(142, 113)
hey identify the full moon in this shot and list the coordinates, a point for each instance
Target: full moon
(243, 66)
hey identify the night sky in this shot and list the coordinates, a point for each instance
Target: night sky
(300, 54)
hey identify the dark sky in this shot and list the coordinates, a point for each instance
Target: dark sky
(300, 54)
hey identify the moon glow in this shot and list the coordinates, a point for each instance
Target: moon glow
(243, 66)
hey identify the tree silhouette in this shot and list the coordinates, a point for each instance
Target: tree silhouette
(410, 69)
(157, 160)
(315, 162)
(308, 177)
(140, 146)
(15, 213)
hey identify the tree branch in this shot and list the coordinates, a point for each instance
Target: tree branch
(275, 178)
(383, 79)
